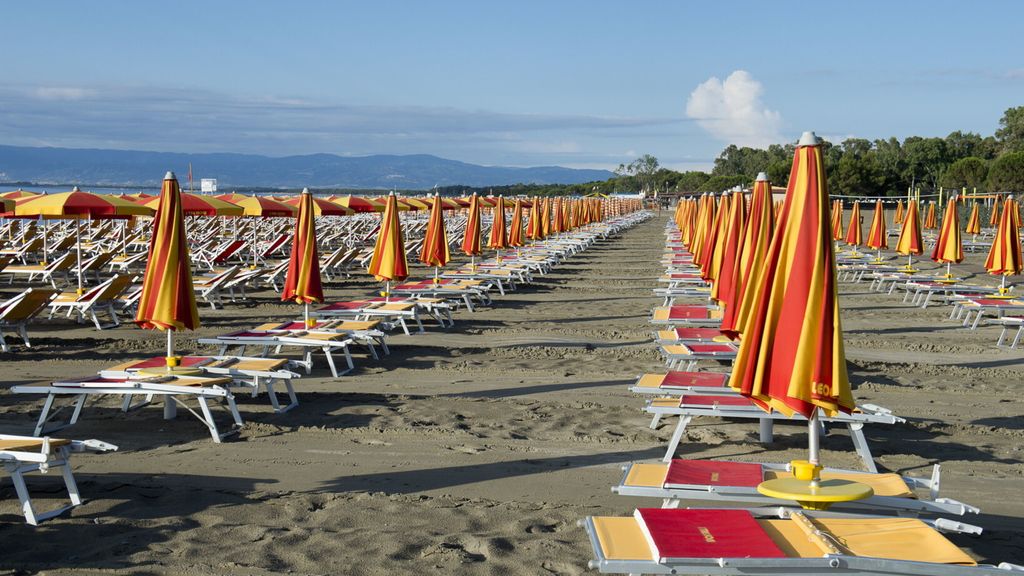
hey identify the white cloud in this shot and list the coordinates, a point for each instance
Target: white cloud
(62, 93)
(732, 111)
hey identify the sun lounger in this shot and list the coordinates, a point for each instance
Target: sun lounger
(211, 289)
(249, 373)
(690, 334)
(363, 332)
(685, 356)
(920, 293)
(21, 252)
(678, 383)
(16, 312)
(101, 298)
(60, 266)
(123, 263)
(978, 307)
(174, 390)
(723, 481)
(394, 312)
(689, 406)
(777, 541)
(221, 254)
(307, 341)
(693, 315)
(1008, 323)
(21, 455)
(465, 291)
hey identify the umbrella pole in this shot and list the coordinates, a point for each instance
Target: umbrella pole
(437, 278)
(814, 444)
(1002, 285)
(46, 250)
(387, 290)
(949, 274)
(305, 315)
(170, 406)
(78, 252)
(254, 222)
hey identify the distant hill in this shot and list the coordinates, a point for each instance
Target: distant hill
(134, 168)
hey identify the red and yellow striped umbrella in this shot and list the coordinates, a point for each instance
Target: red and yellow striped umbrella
(930, 220)
(854, 237)
(259, 206)
(705, 221)
(1004, 258)
(556, 217)
(791, 357)
(878, 236)
(515, 231)
(534, 229)
(498, 239)
(357, 203)
(321, 206)
(197, 205)
(6, 205)
(724, 290)
(545, 218)
(949, 248)
(302, 283)
(168, 301)
(435, 251)
(898, 218)
(974, 220)
(757, 236)
(388, 262)
(472, 237)
(19, 194)
(993, 215)
(712, 243)
(909, 243)
(837, 220)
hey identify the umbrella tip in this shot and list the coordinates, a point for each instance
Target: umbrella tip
(808, 139)
(76, 189)
(169, 175)
(305, 190)
(761, 177)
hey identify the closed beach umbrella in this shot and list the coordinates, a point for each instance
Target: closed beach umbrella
(556, 217)
(388, 262)
(898, 217)
(974, 220)
(515, 231)
(1004, 257)
(949, 248)
(545, 218)
(837, 220)
(791, 356)
(757, 237)
(302, 283)
(435, 251)
(909, 243)
(711, 242)
(878, 236)
(472, 237)
(930, 220)
(498, 239)
(168, 301)
(853, 231)
(534, 229)
(993, 215)
(724, 290)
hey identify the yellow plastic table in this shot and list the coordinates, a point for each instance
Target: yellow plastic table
(819, 497)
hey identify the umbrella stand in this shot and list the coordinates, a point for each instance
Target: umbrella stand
(387, 290)
(437, 278)
(170, 406)
(305, 315)
(1002, 285)
(814, 446)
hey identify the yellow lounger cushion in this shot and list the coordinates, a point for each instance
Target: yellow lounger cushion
(661, 313)
(895, 538)
(621, 538)
(665, 403)
(30, 444)
(647, 475)
(651, 380)
(669, 335)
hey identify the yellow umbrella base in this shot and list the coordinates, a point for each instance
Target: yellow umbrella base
(815, 497)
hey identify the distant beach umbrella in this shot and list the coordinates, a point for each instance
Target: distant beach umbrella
(534, 229)
(878, 236)
(898, 217)
(302, 283)
(1004, 257)
(389, 262)
(931, 221)
(435, 251)
(993, 215)
(910, 243)
(357, 203)
(515, 231)
(198, 205)
(498, 238)
(321, 206)
(949, 248)
(837, 220)
(545, 218)
(724, 289)
(757, 237)
(168, 300)
(472, 236)
(854, 237)
(711, 241)
(974, 220)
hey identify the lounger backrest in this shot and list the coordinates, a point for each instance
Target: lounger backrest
(98, 261)
(222, 278)
(114, 287)
(273, 247)
(27, 304)
(229, 250)
(64, 262)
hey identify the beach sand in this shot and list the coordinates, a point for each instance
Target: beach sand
(475, 450)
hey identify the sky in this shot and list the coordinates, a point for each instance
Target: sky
(579, 83)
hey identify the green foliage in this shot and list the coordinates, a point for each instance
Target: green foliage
(969, 172)
(1006, 174)
(691, 181)
(1011, 130)
(722, 182)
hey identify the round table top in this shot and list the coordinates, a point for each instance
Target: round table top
(827, 491)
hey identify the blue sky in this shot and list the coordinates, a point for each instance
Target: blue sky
(574, 83)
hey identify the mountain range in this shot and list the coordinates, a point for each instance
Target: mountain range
(138, 168)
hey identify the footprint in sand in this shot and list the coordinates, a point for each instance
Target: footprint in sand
(467, 449)
(372, 442)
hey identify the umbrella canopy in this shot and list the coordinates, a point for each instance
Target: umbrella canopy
(545, 218)
(197, 205)
(724, 290)
(302, 283)
(930, 221)
(993, 215)
(1004, 258)
(472, 237)
(949, 248)
(357, 203)
(515, 231)
(556, 216)
(435, 251)
(168, 301)
(414, 203)
(898, 218)
(321, 207)
(791, 357)
(974, 220)
(78, 204)
(6, 205)
(19, 194)
(877, 235)
(707, 259)
(757, 236)
(498, 239)
(910, 234)
(837, 220)
(854, 237)
(388, 261)
(534, 228)
(260, 206)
